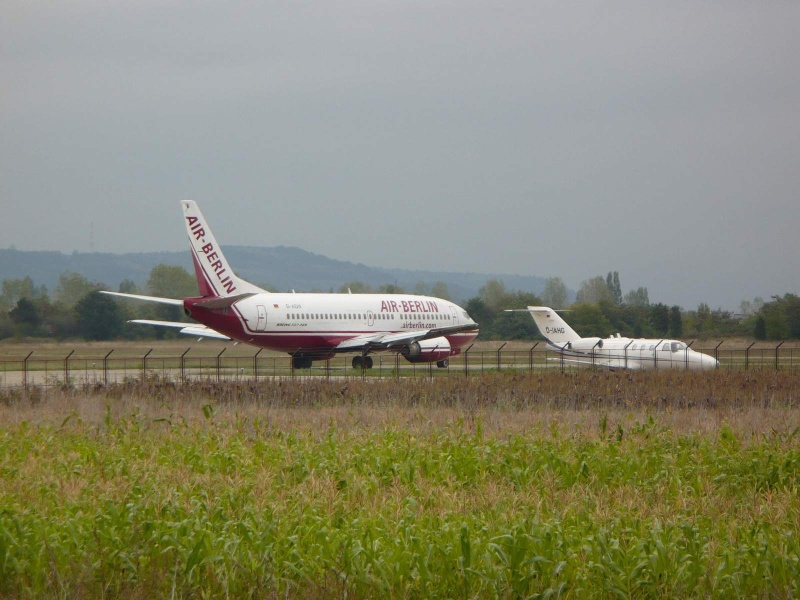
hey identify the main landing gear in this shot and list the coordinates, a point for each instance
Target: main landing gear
(301, 362)
(362, 362)
(442, 364)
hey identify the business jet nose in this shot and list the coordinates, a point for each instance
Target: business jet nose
(709, 362)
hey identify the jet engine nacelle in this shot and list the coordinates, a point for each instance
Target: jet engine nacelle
(435, 349)
(585, 344)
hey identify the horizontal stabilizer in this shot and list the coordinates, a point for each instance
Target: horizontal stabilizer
(187, 328)
(171, 301)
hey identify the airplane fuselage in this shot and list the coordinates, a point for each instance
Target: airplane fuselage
(315, 324)
(637, 354)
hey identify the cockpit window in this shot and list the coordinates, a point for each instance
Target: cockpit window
(678, 346)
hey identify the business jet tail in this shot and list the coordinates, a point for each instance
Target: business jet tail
(554, 329)
(214, 275)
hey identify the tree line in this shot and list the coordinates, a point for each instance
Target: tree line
(77, 309)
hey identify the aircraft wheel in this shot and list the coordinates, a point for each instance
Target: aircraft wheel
(443, 364)
(301, 362)
(368, 362)
(357, 362)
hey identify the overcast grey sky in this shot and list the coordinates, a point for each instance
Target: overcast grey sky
(658, 139)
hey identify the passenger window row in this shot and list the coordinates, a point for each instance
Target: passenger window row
(350, 316)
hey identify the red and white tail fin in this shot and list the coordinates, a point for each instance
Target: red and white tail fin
(214, 275)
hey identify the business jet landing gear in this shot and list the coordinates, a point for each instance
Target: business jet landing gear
(301, 362)
(362, 362)
(442, 364)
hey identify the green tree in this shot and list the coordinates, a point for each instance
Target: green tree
(15, 289)
(613, 285)
(760, 329)
(440, 290)
(588, 320)
(167, 281)
(494, 294)
(554, 294)
(638, 297)
(27, 317)
(126, 286)
(99, 317)
(659, 318)
(782, 317)
(675, 322)
(72, 287)
(482, 315)
(594, 291)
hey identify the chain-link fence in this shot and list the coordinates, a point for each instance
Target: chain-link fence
(78, 367)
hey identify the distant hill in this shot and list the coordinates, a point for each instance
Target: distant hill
(280, 268)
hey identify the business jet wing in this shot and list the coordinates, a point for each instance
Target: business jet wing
(615, 364)
(187, 328)
(388, 341)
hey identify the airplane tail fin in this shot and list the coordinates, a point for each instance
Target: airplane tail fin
(551, 326)
(214, 275)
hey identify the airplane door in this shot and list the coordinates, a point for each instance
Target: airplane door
(455, 315)
(261, 324)
(370, 318)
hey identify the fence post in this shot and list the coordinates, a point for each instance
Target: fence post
(498, 354)
(66, 368)
(777, 348)
(466, 360)
(144, 364)
(686, 355)
(716, 350)
(593, 352)
(219, 356)
(183, 365)
(25, 370)
(255, 364)
(105, 367)
(655, 355)
(747, 356)
(625, 352)
(530, 356)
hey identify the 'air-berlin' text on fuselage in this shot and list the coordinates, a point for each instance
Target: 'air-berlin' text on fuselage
(409, 306)
(211, 255)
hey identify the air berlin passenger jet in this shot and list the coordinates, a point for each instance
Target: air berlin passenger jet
(311, 326)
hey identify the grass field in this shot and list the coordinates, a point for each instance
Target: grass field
(589, 484)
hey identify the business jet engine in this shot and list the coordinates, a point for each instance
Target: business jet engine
(585, 344)
(434, 349)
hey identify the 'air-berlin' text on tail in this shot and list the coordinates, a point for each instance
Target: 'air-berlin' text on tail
(214, 275)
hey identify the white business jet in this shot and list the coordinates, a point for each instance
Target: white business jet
(311, 326)
(616, 352)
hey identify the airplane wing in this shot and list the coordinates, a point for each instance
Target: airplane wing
(388, 341)
(187, 328)
(598, 363)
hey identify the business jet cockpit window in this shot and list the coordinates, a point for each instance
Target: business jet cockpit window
(678, 346)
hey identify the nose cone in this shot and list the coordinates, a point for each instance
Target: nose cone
(708, 362)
